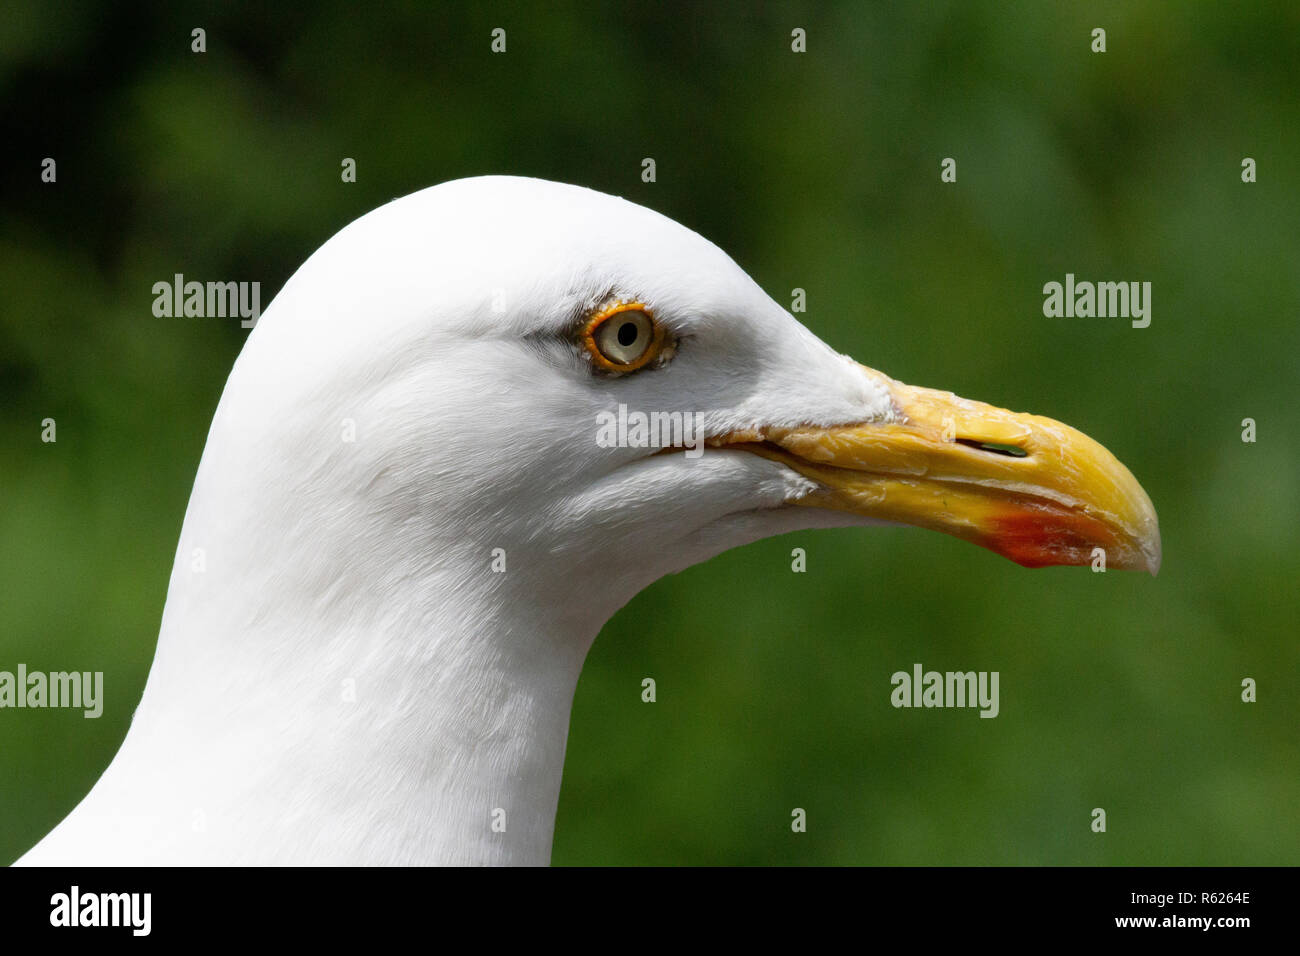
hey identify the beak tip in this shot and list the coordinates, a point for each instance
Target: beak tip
(1147, 534)
(1154, 555)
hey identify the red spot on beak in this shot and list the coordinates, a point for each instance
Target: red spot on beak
(1041, 536)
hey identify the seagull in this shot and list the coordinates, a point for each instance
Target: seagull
(405, 531)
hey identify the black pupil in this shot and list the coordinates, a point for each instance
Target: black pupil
(627, 333)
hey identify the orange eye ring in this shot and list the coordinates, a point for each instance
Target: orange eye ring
(597, 340)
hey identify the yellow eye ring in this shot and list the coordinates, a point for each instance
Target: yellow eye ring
(623, 337)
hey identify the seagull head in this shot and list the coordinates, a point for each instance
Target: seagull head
(470, 427)
(591, 395)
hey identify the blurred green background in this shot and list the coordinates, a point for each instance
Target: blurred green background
(817, 170)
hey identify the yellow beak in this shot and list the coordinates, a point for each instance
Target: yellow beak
(1032, 489)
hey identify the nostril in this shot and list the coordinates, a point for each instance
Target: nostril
(1011, 451)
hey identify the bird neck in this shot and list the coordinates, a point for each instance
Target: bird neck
(378, 713)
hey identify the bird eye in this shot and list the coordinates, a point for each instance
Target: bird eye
(623, 337)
